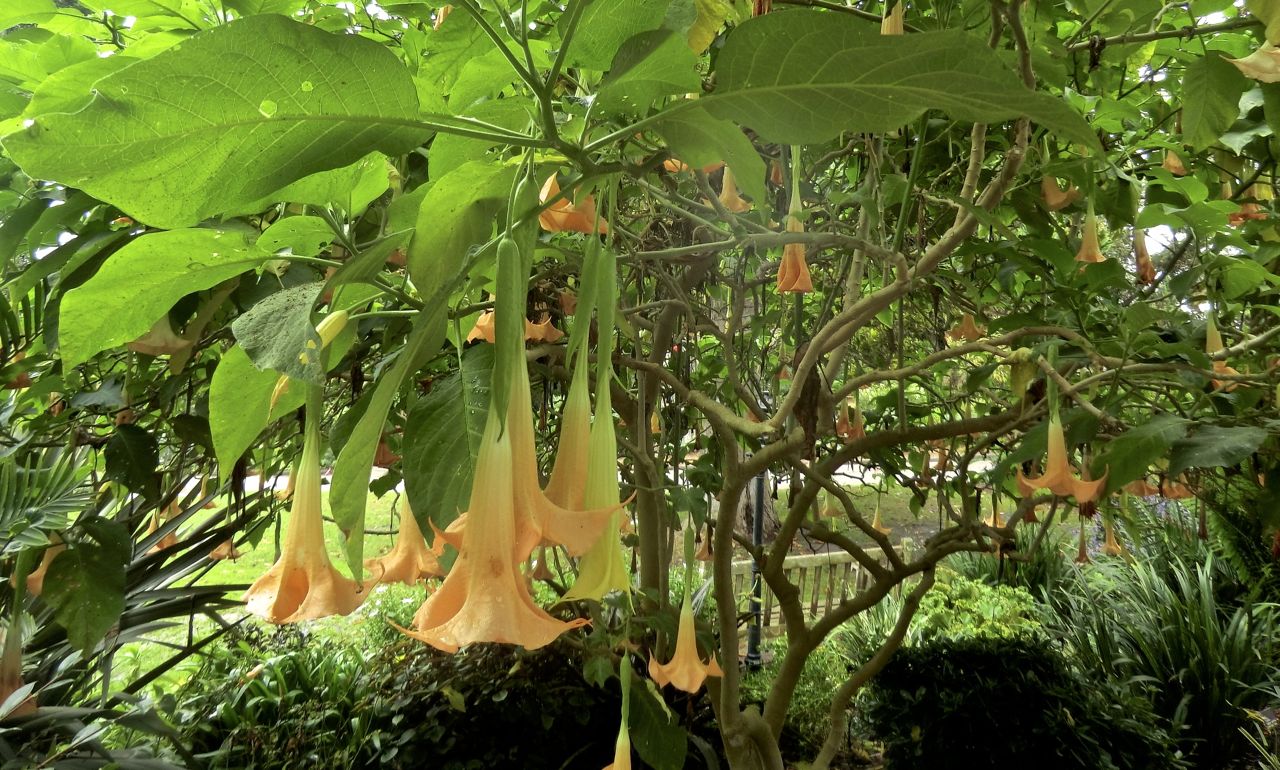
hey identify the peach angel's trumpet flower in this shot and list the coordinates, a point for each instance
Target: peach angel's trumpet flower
(603, 568)
(1146, 273)
(566, 216)
(967, 330)
(565, 486)
(169, 539)
(1173, 163)
(411, 559)
(793, 271)
(225, 550)
(1090, 250)
(1058, 476)
(484, 598)
(1082, 552)
(159, 340)
(685, 671)
(891, 23)
(729, 197)
(568, 302)
(877, 523)
(441, 15)
(1212, 346)
(1057, 198)
(542, 331)
(1176, 490)
(304, 584)
(35, 580)
(1110, 546)
(1263, 65)
(1141, 488)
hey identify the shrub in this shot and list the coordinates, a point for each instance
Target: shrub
(959, 608)
(809, 714)
(959, 701)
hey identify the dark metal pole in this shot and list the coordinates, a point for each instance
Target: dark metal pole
(757, 584)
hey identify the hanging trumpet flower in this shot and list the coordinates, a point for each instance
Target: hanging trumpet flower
(1263, 65)
(1059, 477)
(891, 22)
(793, 271)
(967, 330)
(1141, 488)
(1057, 198)
(542, 331)
(566, 216)
(410, 560)
(485, 597)
(1110, 546)
(622, 748)
(1173, 164)
(304, 584)
(877, 523)
(1090, 250)
(685, 671)
(1146, 274)
(729, 197)
(603, 568)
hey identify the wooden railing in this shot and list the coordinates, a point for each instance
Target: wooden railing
(824, 580)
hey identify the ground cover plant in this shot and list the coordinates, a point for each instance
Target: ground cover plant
(509, 350)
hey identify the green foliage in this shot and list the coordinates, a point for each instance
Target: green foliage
(958, 608)
(960, 699)
(809, 714)
(1202, 665)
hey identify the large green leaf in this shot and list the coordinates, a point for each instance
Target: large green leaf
(239, 406)
(349, 493)
(606, 24)
(352, 188)
(700, 140)
(804, 77)
(85, 585)
(25, 12)
(1211, 90)
(225, 118)
(1130, 455)
(132, 455)
(1215, 446)
(142, 281)
(442, 437)
(456, 215)
(648, 66)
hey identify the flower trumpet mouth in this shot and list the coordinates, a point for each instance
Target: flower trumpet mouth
(304, 584)
(1059, 477)
(410, 560)
(685, 671)
(567, 216)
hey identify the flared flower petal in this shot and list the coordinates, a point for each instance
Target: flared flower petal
(967, 330)
(159, 340)
(877, 523)
(410, 560)
(1263, 65)
(484, 598)
(483, 328)
(35, 580)
(793, 271)
(1141, 488)
(685, 671)
(1058, 476)
(1110, 546)
(1146, 273)
(1090, 250)
(1057, 198)
(566, 216)
(729, 197)
(225, 550)
(304, 584)
(542, 331)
